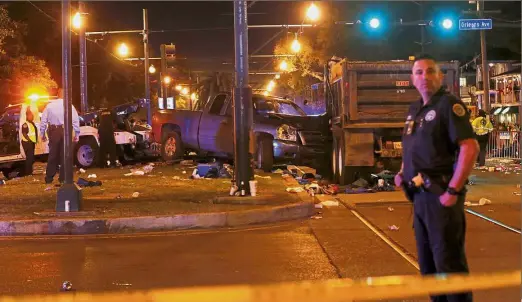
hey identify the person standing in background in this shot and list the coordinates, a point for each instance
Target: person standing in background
(482, 127)
(29, 139)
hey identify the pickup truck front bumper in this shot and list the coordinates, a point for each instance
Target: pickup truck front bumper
(293, 152)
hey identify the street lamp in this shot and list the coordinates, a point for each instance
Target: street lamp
(296, 46)
(277, 76)
(185, 91)
(313, 12)
(167, 80)
(123, 50)
(77, 20)
(283, 66)
(178, 87)
(152, 69)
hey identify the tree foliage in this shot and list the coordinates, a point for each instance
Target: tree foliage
(18, 71)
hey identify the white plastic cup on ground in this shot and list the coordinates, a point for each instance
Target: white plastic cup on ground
(253, 187)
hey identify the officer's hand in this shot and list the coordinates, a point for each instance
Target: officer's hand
(44, 138)
(398, 179)
(448, 200)
(76, 139)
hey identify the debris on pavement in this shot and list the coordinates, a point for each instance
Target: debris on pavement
(187, 162)
(66, 286)
(330, 203)
(148, 168)
(135, 194)
(318, 206)
(49, 188)
(316, 217)
(2, 182)
(264, 177)
(183, 172)
(176, 178)
(82, 170)
(295, 190)
(517, 193)
(484, 201)
(390, 209)
(481, 202)
(82, 182)
(393, 228)
(278, 171)
(92, 176)
(135, 172)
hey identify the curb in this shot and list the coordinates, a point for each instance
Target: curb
(78, 226)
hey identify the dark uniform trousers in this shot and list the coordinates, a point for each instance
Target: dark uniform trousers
(29, 156)
(483, 143)
(55, 153)
(107, 147)
(440, 235)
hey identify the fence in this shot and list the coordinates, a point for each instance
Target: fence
(335, 290)
(504, 144)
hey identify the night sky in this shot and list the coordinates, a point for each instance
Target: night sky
(208, 48)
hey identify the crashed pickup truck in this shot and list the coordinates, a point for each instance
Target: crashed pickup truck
(282, 131)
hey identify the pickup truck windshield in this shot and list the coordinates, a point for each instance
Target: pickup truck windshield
(263, 106)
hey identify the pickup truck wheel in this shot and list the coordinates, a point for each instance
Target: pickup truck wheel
(172, 147)
(86, 153)
(265, 154)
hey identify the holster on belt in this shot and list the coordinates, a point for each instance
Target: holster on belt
(436, 185)
(409, 190)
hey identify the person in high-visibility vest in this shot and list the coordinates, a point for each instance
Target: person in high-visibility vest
(482, 127)
(29, 139)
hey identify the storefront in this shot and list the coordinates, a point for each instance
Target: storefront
(507, 86)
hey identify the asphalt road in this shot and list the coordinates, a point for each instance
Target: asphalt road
(338, 245)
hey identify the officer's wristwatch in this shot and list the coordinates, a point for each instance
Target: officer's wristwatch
(453, 191)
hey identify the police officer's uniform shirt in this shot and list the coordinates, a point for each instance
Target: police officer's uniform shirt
(432, 134)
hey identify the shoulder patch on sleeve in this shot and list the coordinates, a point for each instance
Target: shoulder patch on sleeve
(459, 110)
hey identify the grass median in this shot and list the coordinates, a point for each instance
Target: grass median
(166, 190)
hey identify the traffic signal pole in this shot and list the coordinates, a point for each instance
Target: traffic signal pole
(242, 100)
(485, 66)
(68, 198)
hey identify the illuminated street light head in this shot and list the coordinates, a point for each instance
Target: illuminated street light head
(185, 91)
(277, 76)
(178, 87)
(167, 80)
(296, 46)
(152, 69)
(123, 50)
(283, 66)
(313, 12)
(447, 23)
(375, 23)
(77, 20)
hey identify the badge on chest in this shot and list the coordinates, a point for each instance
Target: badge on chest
(430, 116)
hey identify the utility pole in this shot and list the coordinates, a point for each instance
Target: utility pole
(83, 63)
(69, 195)
(146, 65)
(242, 99)
(485, 66)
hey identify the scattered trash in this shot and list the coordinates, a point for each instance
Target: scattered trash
(295, 190)
(82, 170)
(361, 183)
(318, 206)
(187, 162)
(121, 284)
(135, 172)
(92, 176)
(484, 201)
(148, 168)
(278, 171)
(176, 178)
(49, 188)
(491, 169)
(393, 228)
(82, 182)
(316, 217)
(517, 193)
(518, 186)
(253, 187)
(264, 177)
(135, 194)
(66, 286)
(183, 172)
(330, 203)
(390, 209)
(2, 182)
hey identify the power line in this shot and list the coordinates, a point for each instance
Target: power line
(43, 12)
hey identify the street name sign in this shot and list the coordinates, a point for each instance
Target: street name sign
(475, 24)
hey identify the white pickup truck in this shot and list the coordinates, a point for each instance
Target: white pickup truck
(12, 155)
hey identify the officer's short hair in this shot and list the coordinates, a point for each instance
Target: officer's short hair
(425, 57)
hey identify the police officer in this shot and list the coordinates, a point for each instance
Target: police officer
(439, 146)
(29, 139)
(482, 127)
(52, 120)
(107, 141)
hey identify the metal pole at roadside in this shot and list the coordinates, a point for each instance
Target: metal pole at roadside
(242, 100)
(83, 63)
(485, 66)
(68, 198)
(146, 63)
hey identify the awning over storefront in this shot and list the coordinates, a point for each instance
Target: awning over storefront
(512, 72)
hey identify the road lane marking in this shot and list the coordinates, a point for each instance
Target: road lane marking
(493, 221)
(394, 246)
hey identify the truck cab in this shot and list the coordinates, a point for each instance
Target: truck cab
(368, 103)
